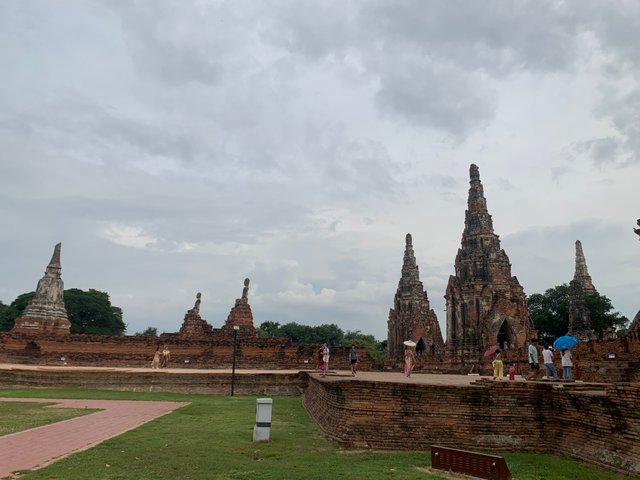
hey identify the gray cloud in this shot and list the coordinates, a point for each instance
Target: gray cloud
(179, 148)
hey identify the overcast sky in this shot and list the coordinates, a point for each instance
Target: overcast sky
(180, 146)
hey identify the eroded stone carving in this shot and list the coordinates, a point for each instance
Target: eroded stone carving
(486, 305)
(581, 286)
(241, 315)
(193, 325)
(46, 312)
(411, 317)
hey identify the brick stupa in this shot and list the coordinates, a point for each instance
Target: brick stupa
(486, 305)
(193, 326)
(240, 315)
(411, 317)
(46, 313)
(579, 316)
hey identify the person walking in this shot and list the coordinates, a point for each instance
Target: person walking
(325, 358)
(533, 357)
(353, 359)
(567, 364)
(409, 361)
(166, 354)
(156, 358)
(547, 357)
(498, 366)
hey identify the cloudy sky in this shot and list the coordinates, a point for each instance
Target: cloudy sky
(181, 146)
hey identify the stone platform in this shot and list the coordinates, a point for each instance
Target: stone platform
(594, 422)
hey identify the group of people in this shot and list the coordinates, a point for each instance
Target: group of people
(161, 357)
(324, 354)
(548, 360)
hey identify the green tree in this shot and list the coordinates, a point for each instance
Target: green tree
(549, 313)
(9, 313)
(269, 329)
(88, 312)
(601, 316)
(375, 349)
(91, 312)
(147, 332)
(5, 321)
(297, 333)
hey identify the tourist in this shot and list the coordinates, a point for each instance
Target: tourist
(547, 357)
(166, 354)
(156, 358)
(533, 357)
(353, 359)
(409, 361)
(567, 365)
(498, 367)
(512, 372)
(320, 362)
(325, 357)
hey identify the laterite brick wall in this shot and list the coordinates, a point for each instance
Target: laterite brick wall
(602, 426)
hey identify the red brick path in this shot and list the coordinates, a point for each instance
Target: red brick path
(40, 446)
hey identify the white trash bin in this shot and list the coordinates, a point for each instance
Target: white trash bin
(262, 429)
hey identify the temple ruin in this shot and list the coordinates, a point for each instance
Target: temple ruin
(193, 326)
(240, 315)
(485, 304)
(46, 313)
(579, 317)
(411, 317)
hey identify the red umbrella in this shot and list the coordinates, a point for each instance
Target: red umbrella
(491, 350)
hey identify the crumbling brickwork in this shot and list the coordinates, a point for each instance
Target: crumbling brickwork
(411, 317)
(46, 312)
(599, 425)
(485, 304)
(581, 286)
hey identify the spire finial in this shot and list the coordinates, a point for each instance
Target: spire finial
(54, 269)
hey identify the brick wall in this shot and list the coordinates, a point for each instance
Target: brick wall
(123, 351)
(157, 381)
(601, 427)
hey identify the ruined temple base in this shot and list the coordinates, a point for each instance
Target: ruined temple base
(593, 422)
(178, 380)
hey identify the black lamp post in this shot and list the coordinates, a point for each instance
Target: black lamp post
(233, 366)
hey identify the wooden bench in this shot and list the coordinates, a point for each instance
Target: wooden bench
(479, 465)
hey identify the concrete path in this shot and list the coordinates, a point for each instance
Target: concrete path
(37, 447)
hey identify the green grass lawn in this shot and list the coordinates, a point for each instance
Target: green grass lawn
(17, 416)
(212, 439)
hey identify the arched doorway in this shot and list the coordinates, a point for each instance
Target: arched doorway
(420, 347)
(506, 338)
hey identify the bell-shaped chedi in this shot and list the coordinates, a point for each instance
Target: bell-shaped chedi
(579, 317)
(411, 317)
(486, 305)
(240, 315)
(193, 325)
(45, 313)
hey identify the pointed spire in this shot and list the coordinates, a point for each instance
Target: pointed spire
(476, 203)
(477, 219)
(409, 265)
(54, 269)
(582, 273)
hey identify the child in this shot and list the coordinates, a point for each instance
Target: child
(512, 372)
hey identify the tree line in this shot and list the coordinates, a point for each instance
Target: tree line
(91, 312)
(549, 312)
(326, 333)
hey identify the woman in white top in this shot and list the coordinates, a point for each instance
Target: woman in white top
(567, 365)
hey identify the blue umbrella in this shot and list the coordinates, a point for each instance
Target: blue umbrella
(565, 342)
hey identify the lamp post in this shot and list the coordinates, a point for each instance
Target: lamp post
(233, 365)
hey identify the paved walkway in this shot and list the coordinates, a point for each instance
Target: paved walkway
(40, 446)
